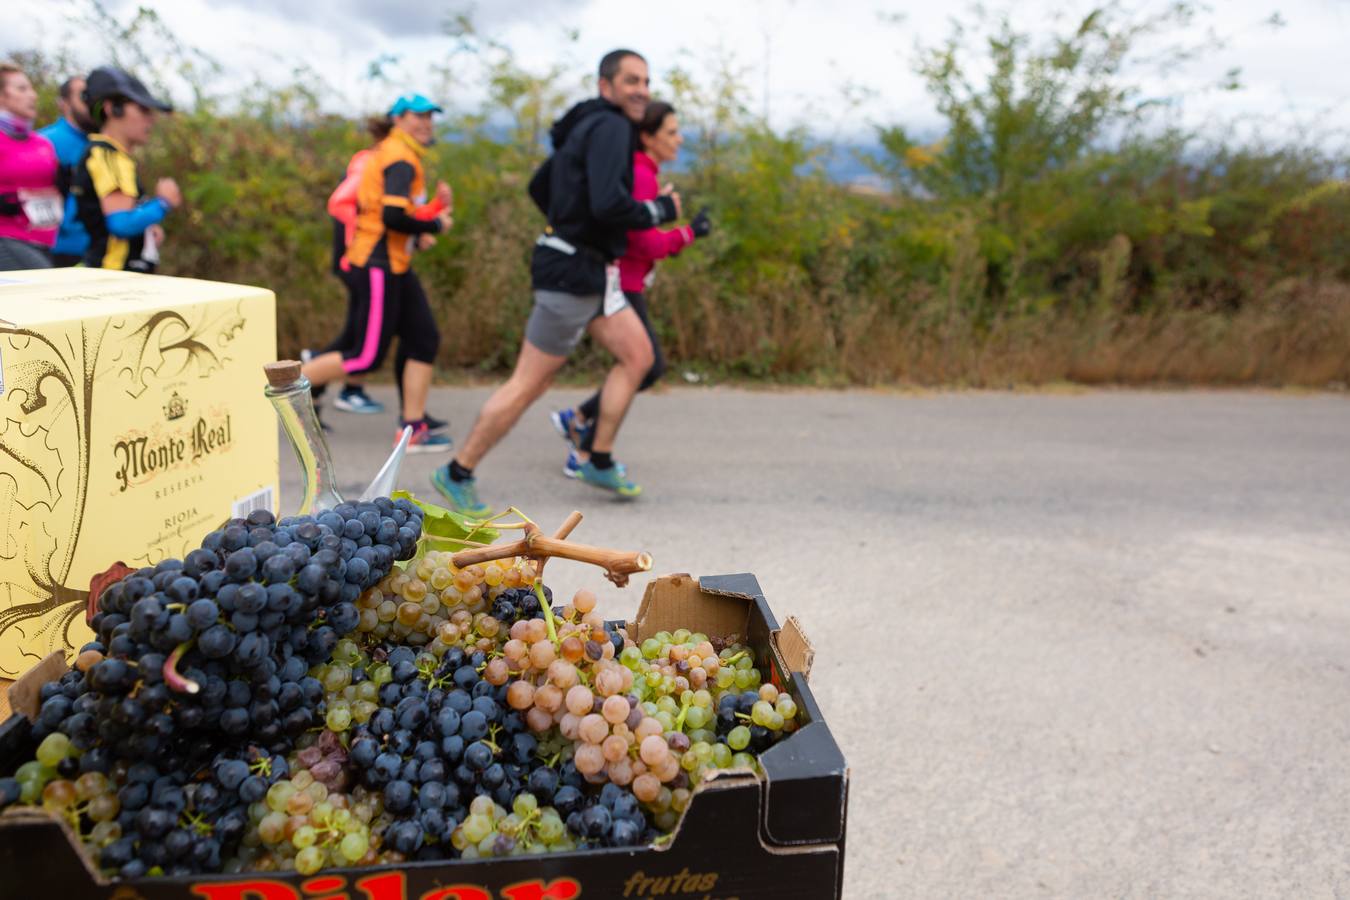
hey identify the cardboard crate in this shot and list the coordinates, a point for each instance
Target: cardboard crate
(132, 422)
(742, 837)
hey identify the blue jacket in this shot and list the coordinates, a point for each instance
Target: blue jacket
(71, 144)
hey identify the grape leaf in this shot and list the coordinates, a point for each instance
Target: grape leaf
(445, 529)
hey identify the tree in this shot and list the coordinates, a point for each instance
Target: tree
(1045, 108)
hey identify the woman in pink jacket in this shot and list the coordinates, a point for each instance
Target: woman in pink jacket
(659, 141)
(31, 206)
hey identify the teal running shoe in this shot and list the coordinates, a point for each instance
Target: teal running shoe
(573, 465)
(463, 495)
(612, 479)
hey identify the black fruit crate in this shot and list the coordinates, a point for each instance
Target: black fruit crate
(743, 837)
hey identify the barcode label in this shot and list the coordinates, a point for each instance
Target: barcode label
(245, 505)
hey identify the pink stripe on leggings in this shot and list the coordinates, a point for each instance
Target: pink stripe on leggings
(370, 348)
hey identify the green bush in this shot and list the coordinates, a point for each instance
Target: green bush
(1052, 232)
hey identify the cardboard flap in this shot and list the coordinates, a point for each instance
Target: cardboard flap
(794, 648)
(677, 601)
(24, 694)
(806, 790)
(43, 847)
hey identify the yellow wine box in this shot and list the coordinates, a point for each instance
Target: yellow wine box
(132, 422)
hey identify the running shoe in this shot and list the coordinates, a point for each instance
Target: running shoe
(572, 467)
(423, 440)
(433, 423)
(356, 400)
(611, 479)
(567, 426)
(463, 495)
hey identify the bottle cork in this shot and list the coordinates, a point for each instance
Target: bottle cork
(282, 373)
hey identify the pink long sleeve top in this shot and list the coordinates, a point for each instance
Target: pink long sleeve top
(28, 186)
(645, 247)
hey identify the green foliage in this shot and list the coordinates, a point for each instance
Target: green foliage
(1052, 230)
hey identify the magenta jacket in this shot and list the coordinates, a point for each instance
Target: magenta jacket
(28, 182)
(645, 247)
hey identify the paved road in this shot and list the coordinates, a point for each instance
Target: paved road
(1072, 645)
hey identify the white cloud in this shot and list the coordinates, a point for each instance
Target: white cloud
(796, 55)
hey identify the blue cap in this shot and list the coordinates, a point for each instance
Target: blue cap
(413, 103)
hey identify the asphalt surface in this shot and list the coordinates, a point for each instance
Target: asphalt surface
(1072, 645)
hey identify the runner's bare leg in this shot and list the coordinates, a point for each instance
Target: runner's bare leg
(532, 376)
(416, 386)
(624, 336)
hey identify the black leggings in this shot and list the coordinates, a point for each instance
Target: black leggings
(590, 408)
(347, 337)
(383, 306)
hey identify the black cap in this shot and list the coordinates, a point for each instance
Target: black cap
(107, 82)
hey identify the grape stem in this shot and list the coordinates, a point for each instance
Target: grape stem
(524, 522)
(564, 530)
(618, 564)
(176, 681)
(686, 702)
(548, 611)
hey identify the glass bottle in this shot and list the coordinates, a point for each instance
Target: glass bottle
(288, 390)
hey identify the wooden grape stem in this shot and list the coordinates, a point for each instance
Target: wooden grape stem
(618, 564)
(565, 529)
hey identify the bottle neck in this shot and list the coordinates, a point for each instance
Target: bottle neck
(295, 409)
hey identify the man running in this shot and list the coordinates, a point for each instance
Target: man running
(70, 136)
(586, 190)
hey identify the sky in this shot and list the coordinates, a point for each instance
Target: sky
(800, 58)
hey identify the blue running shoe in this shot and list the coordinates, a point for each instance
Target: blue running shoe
(612, 479)
(463, 495)
(433, 423)
(356, 400)
(565, 423)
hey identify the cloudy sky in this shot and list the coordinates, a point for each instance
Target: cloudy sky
(797, 55)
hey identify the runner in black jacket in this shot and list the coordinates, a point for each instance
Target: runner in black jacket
(586, 191)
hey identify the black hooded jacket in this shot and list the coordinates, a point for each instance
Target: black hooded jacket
(585, 189)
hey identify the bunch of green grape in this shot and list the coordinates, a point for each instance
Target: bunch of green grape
(490, 830)
(304, 826)
(435, 604)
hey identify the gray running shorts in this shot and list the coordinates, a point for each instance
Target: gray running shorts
(558, 320)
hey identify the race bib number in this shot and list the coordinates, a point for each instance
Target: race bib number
(615, 301)
(150, 247)
(44, 207)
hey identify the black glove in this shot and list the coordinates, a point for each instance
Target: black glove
(701, 224)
